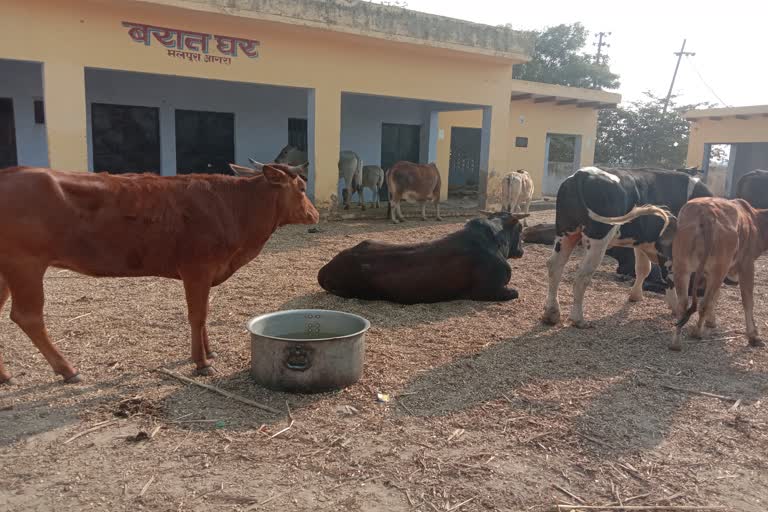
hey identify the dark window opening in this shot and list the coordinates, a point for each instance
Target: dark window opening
(297, 133)
(205, 142)
(7, 134)
(39, 112)
(521, 142)
(125, 138)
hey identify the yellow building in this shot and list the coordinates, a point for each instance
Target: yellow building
(179, 86)
(726, 143)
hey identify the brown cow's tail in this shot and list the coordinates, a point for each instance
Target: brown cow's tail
(637, 211)
(705, 228)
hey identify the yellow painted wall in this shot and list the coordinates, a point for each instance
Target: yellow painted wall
(539, 119)
(728, 130)
(69, 36)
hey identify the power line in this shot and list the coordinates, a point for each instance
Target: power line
(677, 66)
(690, 61)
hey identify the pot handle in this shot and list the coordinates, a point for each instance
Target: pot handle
(298, 358)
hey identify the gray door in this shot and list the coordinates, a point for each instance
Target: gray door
(398, 142)
(464, 164)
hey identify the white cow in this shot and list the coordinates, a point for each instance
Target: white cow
(517, 192)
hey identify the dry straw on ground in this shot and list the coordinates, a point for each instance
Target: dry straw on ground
(490, 409)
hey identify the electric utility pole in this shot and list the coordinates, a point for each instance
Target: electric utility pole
(680, 55)
(601, 36)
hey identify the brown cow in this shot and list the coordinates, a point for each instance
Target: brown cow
(196, 228)
(716, 238)
(414, 183)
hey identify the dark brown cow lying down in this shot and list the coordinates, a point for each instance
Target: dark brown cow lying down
(468, 264)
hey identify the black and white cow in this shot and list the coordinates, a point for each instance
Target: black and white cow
(620, 208)
(753, 188)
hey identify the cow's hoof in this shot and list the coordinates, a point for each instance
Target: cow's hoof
(74, 379)
(636, 298)
(439, 219)
(581, 324)
(551, 316)
(710, 324)
(676, 346)
(756, 343)
(424, 219)
(212, 355)
(395, 222)
(206, 371)
(9, 381)
(346, 207)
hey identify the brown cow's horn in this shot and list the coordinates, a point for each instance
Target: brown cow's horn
(256, 165)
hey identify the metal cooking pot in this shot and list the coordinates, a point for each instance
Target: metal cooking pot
(307, 350)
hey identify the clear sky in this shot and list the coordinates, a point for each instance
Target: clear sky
(730, 39)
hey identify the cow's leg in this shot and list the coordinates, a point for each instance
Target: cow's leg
(642, 269)
(747, 285)
(26, 285)
(393, 206)
(197, 288)
(595, 252)
(376, 203)
(423, 210)
(5, 292)
(437, 209)
(560, 253)
(706, 306)
(526, 210)
(710, 320)
(206, 345)
(400, 211)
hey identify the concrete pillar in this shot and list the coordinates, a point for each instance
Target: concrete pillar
(65, 115)
(494, 146)
(323, 141)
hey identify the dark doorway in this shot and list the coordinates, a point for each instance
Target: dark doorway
(205, 142)
(8, 156)
(464, 164)
(398, 142)
(125, 138)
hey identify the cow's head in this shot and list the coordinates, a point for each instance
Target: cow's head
(285, 181)
(291, 155)
(509, 234)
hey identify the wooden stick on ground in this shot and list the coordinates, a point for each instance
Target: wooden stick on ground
(146, 485)
(702, 393)
(457, 507)
(637, 507)
(92, 429)
(219, 391)
(570, 494)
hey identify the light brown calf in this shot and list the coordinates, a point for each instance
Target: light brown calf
(716, 238)
(413, 183)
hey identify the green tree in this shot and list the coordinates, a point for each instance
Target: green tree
(558, 58)
(641, 135)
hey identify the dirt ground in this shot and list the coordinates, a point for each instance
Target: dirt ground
(491, 410)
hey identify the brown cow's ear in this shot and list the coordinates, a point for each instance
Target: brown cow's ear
(239, 170)
(276, 177)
